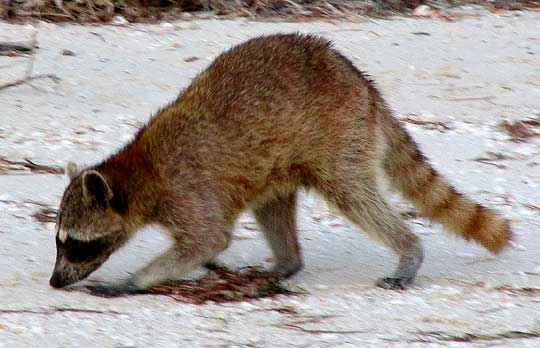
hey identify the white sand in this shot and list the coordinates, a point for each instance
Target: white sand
(470, 74)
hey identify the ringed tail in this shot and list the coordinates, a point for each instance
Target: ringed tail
(411, 174)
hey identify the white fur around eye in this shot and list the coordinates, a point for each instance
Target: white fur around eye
(62, 235)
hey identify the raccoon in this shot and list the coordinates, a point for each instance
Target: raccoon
(270, 116)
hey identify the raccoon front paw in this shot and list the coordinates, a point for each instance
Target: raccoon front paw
(110, 291)
(391, 283)
(214, 266)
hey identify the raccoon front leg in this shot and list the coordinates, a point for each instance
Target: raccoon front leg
(197, 241)
(172, 264)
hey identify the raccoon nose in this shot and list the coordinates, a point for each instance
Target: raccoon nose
(56, 281)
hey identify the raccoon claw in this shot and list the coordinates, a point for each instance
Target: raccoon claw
(110, 291)
(391, 283)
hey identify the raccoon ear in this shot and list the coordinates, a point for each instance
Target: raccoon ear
(96, 188)
(72, 170)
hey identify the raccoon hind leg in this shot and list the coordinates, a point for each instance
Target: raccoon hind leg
(359, 200)
(277, 218)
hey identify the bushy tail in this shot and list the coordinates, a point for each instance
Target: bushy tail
(411, 174)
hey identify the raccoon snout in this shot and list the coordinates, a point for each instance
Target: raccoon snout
(61, 278)
(57, 281)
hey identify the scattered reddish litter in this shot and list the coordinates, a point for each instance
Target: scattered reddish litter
(9, 165)
(223, 285)
(521, 291)
(521, 130)
(431, 125)
(532, 207)
(534, 122)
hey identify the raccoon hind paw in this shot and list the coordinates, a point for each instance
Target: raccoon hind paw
(392, 283)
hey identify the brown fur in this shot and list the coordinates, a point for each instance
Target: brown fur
(268, 116)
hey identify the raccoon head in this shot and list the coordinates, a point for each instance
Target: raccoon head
(89, 227)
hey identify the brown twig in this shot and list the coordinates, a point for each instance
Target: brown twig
(520, 291)
(521, 130)
(490, 162)
(431, 125)
(45, 215)
(90, 7)
(84, 310)
(14, 49)
(56, 310)
(531, 207)
(473, 337)
(27, 79)
(30, 69)
(486, 98)
(7, 165)
(40, 168)
(321, 331)
(5, 8)
(60, 5)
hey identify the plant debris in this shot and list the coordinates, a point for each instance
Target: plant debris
(191, 59)
(522, 130)
(46, 214)
(223, 285)
(519, 291)
(533, 207)
(431, 125)
(67, 52)
(55, 310)
(321, 331)
(7, 166)
(13, 49)
(28, 75)
(470, 337)
(155, 10)
(533, 122)
(492, 158)
(92, 11)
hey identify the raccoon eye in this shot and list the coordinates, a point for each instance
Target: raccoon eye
(78, 251)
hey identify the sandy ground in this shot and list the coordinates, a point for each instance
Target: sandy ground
(467, 76)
